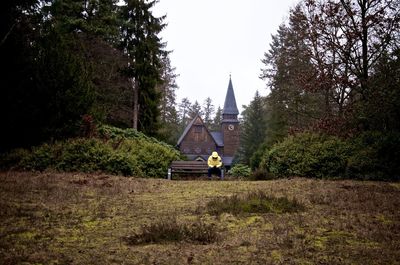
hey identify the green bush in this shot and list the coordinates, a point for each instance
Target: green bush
(261, 174)
(110, 132)
(122, 164)
(87, 155)
(308, 155)
(127, 153)
(371, 155)
(12, 158)
(376, 156)
(240, 170)
(257, 156)
(39, 159)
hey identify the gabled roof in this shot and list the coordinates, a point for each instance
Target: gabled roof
(217, 139)
(216, 136)
(186, 130)
(230, 101)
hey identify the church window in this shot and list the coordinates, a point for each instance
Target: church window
(198, 129)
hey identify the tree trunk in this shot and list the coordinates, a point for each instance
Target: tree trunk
(135, 103)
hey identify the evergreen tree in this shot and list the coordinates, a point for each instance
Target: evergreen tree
(47, 84)
(253, 129)
(169, 122)
(216, 123)
(144, 48)
(195, 109)
(208, 111)
(292, 106)
(381, 107)
(184, 109)
(18, 50)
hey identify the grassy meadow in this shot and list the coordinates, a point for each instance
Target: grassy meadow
(59, 218)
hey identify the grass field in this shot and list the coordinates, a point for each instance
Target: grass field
(52, 218)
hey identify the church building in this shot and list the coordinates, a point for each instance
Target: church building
(197, 142)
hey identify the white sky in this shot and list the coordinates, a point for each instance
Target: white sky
(212, 38)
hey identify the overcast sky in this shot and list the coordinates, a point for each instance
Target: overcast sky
(212, 39)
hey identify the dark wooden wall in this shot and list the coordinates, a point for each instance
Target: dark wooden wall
(198, 141)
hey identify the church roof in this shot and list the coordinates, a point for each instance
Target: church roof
(230, 101)
(216, 136)
(186, 130)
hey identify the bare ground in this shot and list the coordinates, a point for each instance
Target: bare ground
(53, 218)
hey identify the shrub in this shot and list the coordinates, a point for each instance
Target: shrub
(39, 159)
(308, 155)
(261, 174)
(141, 156)
(87, 155)
(240, 170)
(376, 156)
(170, 229)
(257, 156)
(122, 164)
(371, 155)
(254, 202)
(12, 158)
(110, 132)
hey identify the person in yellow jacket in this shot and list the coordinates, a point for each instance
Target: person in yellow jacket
(214, 165)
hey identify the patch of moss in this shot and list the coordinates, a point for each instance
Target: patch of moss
(28, 235)
(319, 242)
(364, 244)
(254, 220)
(396, 185)
(383, 219)
(276, 256)
(91, 224)
(254, 202)
(326, 239)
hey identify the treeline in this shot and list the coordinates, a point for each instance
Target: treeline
(333, 70)
(66, 60)
(63, 60)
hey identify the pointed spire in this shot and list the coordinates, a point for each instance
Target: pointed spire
(230, 101)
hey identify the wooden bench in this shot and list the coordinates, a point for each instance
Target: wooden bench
(189, 168)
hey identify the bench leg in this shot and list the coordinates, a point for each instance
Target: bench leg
(169, 175)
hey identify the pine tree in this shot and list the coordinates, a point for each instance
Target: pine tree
(195, 109)
(47, 78)
(253, 128)
(144, 48)
(169, 122)
(184, 109)
(216, 122)
(208, 111)
(292, 106)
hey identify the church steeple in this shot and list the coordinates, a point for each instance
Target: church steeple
(230, 110)
(230, 124)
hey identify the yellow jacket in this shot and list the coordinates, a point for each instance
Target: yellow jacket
(214, 160)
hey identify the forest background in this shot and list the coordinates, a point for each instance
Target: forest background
(333, 69)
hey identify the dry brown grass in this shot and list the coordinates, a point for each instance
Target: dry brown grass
(52, 218)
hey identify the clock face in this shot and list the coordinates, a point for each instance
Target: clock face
(231, 127)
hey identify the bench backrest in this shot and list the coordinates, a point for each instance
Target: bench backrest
(189, 164)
